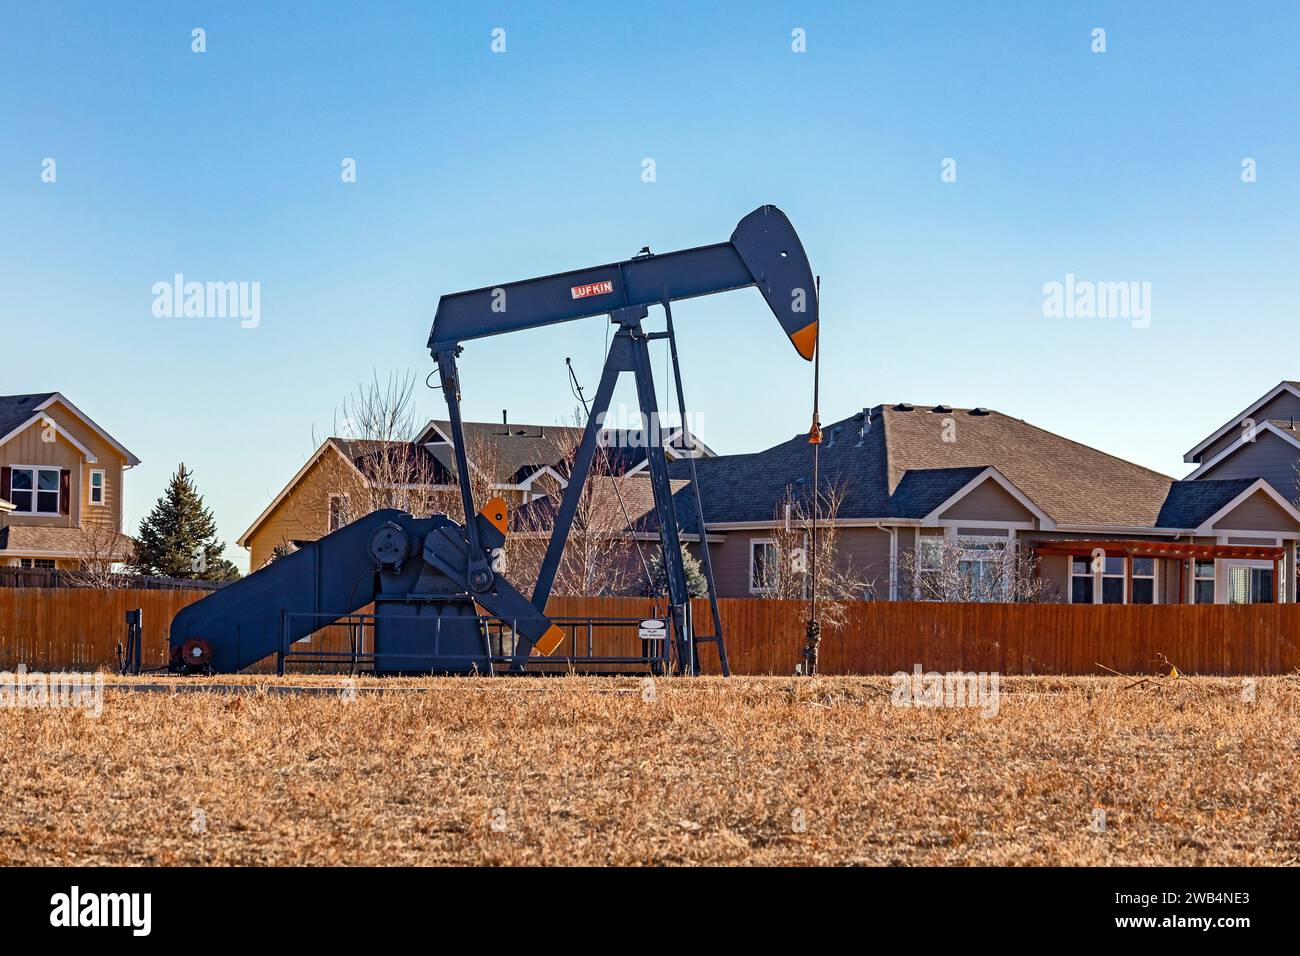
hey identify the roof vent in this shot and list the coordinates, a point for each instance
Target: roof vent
(903, 407)
(979, 411)
(865, 418)
(941, 409)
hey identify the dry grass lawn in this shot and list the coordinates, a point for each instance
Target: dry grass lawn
(584, 771)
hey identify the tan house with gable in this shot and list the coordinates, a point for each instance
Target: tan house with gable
(60, 485)
(519, 463)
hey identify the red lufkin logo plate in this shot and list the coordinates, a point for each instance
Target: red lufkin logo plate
(593, 288)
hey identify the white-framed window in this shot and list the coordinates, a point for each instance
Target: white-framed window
(1202, 582)
(1102, 586)
(1249, 582)
(984, 566)
(97, 479)
(763, 568)
(338, 511)
(43, 564)
(929, 567)
(1144, 581)
(34, 490)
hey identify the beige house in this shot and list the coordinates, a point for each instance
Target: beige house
(60, 485)
(344, 478)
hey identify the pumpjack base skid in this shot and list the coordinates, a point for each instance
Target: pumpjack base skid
(425, 619)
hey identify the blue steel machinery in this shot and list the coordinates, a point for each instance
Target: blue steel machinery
(436, 594)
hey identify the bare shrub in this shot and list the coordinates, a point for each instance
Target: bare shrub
(787, 567)
(972, 571)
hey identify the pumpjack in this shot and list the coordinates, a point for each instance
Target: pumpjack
(435, 583)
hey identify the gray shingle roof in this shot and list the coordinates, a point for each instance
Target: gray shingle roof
(517, 451)
(16, 409)
(923, 489)
(604, 509)
(513, 449)
(369, 457)
(1191, 502)
(900, 460)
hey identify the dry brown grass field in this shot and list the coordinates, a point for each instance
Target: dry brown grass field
(585, 771)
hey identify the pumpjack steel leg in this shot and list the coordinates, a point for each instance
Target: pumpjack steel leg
(617, 361)
(689, 441)
(629, 352)
(670, 540)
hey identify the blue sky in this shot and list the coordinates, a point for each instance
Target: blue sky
(475, 168)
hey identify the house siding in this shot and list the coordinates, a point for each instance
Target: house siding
(1285, 406)
(863, 550)
(988, 502)
(731, 562)
(866, 552)
(1268, 457)
(1259, 512)
(303, 514)
(1055, 569)
(30, 448)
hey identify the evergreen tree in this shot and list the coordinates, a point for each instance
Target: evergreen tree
(697, 585)
(179, 537)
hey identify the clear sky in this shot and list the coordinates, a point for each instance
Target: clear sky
(476, 168)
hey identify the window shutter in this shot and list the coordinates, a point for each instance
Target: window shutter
(65, 491)
(5, 480)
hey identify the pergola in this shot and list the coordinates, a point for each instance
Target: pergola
(1175, 550)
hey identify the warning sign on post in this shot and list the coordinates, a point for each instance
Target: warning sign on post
(651, 629)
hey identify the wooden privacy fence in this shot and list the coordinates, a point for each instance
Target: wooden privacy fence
(79, 628)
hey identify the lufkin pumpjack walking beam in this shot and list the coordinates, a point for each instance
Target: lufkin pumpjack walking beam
(428, 576)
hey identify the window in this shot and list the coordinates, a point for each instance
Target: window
(1250, 584)
(1083, 581)
(44, 564)
(1203, 583)
(763, 567)
(338, 511)
(929, 568)
(1144, 581)
(34, 490)
(981, 566)
(1080, 580)
(97, 487)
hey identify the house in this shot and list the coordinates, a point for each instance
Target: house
(1263, 441)
(917, 481)
(60, 485)
(347, 477)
